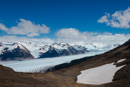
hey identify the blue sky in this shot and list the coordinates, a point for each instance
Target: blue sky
(82, 15)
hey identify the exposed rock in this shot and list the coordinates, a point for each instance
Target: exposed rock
(14, 51)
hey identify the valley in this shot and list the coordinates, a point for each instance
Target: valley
(67, 76)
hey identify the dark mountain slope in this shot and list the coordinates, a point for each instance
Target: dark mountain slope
(14, 51)
(61, 49)
(66, 76)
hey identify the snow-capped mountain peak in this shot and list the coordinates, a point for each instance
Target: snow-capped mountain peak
(10, 46)
(10, 50)
(61, 49)
(60, 45)
(56, 48)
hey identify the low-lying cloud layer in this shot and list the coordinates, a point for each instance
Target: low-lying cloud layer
(72, 35)
(120, 19)
(26, 27)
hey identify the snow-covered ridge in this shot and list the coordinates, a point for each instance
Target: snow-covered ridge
(60, 46)
(33, 48)
(61, 49)
(100, 46)
(10, 46)
(36, 49)
(14, 51)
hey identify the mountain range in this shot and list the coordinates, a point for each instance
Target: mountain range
(28, 50)
(61, 49)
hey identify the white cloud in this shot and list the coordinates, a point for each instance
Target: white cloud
(120, 19)
(40, 41)
(26, 27)
(3, 27)
(32, 34)
(72, 35)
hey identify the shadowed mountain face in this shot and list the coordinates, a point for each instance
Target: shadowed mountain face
(14, 51)
(61, 49)
(66, 75)
(52, 50)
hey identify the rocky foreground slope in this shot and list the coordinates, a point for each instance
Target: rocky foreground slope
(65, 75)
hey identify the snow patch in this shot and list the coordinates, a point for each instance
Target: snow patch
(98, 75)
(121, 60)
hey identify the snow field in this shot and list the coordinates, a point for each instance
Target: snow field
(99, 75)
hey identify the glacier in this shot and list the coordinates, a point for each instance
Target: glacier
(30, 65)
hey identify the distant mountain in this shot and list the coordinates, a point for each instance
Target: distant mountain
(61, 49)
(32, 47)
(38, 50)
(108, 47)
(100, 47)
(14, 51)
